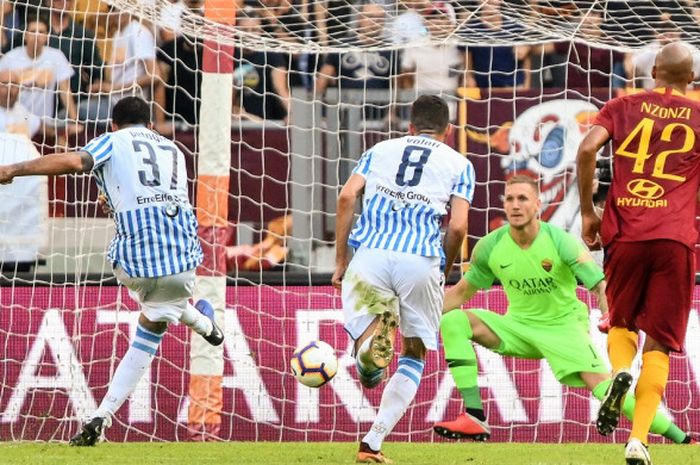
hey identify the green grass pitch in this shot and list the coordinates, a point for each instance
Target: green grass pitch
(268, 453)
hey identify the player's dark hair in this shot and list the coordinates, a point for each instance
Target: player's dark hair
(430, 114)
(523, 179)
(39, 18)
(131, 110)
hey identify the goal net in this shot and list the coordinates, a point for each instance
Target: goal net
(273, 102)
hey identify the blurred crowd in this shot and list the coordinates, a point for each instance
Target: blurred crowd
(71, 60)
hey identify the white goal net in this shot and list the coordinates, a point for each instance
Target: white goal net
(273, 102)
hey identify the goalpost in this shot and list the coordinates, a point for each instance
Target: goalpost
(273, 101)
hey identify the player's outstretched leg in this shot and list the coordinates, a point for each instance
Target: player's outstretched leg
(660, 425)
(369, 375)
(90, 433)
(465, 426)
(456, 334)
(129, 372)
(203, 322)
(397, 396)
(611, 405)
(378, 339)
(381, 348)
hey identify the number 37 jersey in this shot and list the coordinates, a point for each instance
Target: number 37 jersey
(144, 178)
(409, 182)
(656, 167)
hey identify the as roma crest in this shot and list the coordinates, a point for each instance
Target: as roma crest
(547, 265)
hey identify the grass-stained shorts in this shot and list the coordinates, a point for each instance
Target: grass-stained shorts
(566, 345)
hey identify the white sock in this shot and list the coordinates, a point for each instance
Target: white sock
(199, 323)
(397, 396)
(130, 371)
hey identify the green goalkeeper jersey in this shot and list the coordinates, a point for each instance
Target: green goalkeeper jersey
(540, 281)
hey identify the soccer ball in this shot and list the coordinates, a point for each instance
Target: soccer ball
(314, 364)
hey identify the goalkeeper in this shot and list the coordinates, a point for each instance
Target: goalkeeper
(537, 264)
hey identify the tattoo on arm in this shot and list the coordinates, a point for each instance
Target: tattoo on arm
(87, 160)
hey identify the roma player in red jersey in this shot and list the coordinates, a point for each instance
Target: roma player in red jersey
(648, 231)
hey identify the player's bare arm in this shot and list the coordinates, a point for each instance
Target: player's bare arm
(599, 291)
(66, 96)
(54, 164)
(345, 208)
(458, 294)
(456, 230)
(596, 138)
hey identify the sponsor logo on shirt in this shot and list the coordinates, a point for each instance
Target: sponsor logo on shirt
(142, 200)
(533, 286)
(646, 194)
(407, 195)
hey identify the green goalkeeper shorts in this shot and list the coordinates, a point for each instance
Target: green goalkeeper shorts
(567, 346)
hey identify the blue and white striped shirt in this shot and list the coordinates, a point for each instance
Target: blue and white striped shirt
(409, 182)
(144, 178)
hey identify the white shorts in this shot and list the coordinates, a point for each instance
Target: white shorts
(409, 284)
(162, 299)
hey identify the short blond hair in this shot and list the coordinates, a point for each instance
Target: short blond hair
(523, 179)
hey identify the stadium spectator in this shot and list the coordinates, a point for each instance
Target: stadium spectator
(538, 265)
(648, 228)
(301, 68)
(496, 65)
(15, 118)
(260, 78)
(695, 11)
(638, 64)
(133, 59)
(180, 65)
(586, 65)
(543, 70)
(429, 66)
(77, 43)
(332, 21)
(361, 69)
(42, 71)
(542, 56)
(296, 21)
(10, 26)
(23, 205)
(171, 12)
(170, 16)
(283, 19)
(299, 22)
(409, 24)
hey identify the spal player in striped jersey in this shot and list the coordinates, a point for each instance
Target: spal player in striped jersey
(155, 249)
(395, 277)
(537, 264)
